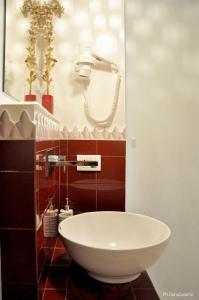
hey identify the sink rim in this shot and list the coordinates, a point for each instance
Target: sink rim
(125, 249)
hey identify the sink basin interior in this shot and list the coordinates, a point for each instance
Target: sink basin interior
(90, 229)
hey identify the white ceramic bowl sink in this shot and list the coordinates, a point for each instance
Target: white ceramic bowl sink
(114, 247)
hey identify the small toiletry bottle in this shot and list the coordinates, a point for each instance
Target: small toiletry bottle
(67, 209)
(50, 222)
(51, 211)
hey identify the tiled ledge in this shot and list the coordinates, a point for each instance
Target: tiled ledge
(92, 134)
(25, 121)
(22, 121)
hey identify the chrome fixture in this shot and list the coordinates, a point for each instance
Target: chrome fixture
(49, 161)
(60, 160)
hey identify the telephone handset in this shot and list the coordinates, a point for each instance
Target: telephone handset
(83, 71)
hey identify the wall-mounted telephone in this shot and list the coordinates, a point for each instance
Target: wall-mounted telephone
(83, 71)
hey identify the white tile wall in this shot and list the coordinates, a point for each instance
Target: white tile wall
(3, 98)
(163, 116)
(99, 24)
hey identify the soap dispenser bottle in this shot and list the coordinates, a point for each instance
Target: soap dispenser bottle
(67, 210)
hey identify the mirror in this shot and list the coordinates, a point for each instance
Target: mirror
(14, 50)
(97, 25)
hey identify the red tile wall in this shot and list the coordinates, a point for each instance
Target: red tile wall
(47, 191)
(17, 220)
(47, 188)
(25, 192)
(92, 191)
(87, 191)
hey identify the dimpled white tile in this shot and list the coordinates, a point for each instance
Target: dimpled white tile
(162, 130)
(162, 39)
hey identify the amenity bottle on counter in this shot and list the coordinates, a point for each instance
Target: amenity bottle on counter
(50, 222)
(66, 212)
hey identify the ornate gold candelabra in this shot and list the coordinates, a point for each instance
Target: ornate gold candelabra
(41, 14)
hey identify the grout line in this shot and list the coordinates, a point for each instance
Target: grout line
(24, 283)
(17, 171)
(18, 229)
(40, 274)
(46, 247)
(67, 176)
(133, 293)
(53, 254)
(96, 194)
(66, 294)
(57, 289)
(59, 187)
(48, 271)
(146, 289)
(60, 248)
(112, 156)
(58, 265)
(48, 148)
(45, 284)
(96, 146)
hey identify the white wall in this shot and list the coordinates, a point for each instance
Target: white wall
(99, 24)
(107, 41)
(3, 98)
(163, 115)
(1, 47)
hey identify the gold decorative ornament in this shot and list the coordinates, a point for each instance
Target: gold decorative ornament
(41, 25)
(31, 64)
(49, 64)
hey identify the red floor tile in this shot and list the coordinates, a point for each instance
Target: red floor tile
(81, 286)
(43, 277)
(54, 295)
(142, 282)
(45, 256)
(59, 243)
(146, 294)
(40, 294)
(60, 257)
(73, 283)
(49, 242)
(57, 277)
